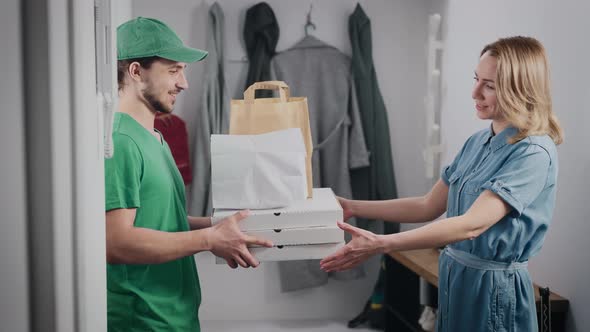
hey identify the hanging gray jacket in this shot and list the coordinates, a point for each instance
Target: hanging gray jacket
(212, 118)
(320, 72)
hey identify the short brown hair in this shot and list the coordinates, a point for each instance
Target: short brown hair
(123, 66)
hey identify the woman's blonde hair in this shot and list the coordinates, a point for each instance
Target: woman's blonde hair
(523, 87)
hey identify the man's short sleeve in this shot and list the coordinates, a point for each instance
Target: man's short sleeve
(123, 173)
(522, 177)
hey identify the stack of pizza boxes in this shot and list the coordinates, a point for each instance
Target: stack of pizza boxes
(306, 229)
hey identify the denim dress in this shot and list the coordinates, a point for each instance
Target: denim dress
(484, 284)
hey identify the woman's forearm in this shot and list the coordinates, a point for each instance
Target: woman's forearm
(434, 235)
(487, 210)
(405, 210)
(402, 210)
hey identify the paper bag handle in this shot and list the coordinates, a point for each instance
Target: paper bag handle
(284, 93)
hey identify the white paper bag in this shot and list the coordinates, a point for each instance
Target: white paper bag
(258, 171)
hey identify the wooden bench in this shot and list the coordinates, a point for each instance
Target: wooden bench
(424, 263)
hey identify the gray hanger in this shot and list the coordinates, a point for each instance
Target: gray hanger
(309, 23)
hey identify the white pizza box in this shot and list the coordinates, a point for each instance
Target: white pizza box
(321, 210)
(291, 252)
(306, 235)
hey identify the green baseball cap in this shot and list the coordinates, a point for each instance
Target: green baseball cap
(146, 37)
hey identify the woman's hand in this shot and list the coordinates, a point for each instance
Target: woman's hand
(346, 208)
(363, 245)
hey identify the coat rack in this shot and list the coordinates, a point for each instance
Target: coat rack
(434, 147)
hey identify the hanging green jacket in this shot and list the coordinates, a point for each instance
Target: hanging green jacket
(377, 181)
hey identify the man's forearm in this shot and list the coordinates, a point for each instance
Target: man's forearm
(199, 222)
(147, 246)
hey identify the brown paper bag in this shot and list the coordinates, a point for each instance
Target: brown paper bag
(258, 116)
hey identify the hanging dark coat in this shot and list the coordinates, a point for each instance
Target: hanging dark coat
(261, 35)
(377, 181)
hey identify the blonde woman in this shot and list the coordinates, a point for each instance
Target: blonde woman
(498, 193)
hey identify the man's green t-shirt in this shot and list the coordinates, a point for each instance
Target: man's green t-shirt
(142, 175)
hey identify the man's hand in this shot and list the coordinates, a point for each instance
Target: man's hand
(227, 241)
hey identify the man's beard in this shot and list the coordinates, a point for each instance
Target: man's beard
(153, 102)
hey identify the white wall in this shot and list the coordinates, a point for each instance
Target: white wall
(400, 62)
(563, 28)
(14, 310)
(122, 11)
